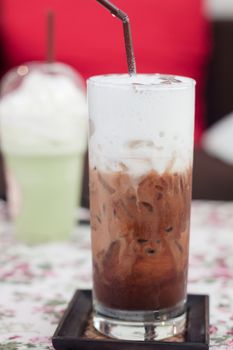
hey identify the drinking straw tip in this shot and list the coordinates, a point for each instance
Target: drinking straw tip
(115, 11)
(50, 36)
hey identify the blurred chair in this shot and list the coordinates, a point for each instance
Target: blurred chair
(213, 178)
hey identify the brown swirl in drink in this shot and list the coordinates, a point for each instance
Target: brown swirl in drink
(140, 235)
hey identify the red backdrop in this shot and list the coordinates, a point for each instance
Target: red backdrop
(169, 37)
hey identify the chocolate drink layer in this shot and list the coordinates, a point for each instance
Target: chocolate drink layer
(140, 235)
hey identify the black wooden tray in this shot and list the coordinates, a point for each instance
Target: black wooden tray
(75, 331)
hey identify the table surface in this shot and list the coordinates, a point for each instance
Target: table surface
(37, 282)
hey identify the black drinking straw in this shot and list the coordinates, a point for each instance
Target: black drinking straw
(50, 37)
(127, 33)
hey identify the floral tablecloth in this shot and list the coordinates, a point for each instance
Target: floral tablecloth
(37, 282)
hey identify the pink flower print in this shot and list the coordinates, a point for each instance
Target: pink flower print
(44, 309)
(214, 219)
(223, 272)
(198, 258)
(213, 329)
(20, 271)
(6, 275)
(14, 337)
(222, 321)
(39, 339)
(230, 331)
(24, 268)
(7, 313)
(49, 274)
(230, 341)
(221, 262)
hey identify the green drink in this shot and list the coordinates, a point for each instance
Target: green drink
(44, 154)
(50, 189)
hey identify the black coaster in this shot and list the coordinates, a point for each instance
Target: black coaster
(76, 332)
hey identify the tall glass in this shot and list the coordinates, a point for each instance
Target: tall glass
(140, 151)
(43, 119)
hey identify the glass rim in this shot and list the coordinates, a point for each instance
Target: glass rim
(168, 81)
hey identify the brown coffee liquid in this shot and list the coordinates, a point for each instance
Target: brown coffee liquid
(140, 235)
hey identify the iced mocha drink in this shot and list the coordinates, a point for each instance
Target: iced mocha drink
(141, 144)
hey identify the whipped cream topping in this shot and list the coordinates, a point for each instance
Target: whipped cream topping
(46, 114)
(148, 81)
(141, 123)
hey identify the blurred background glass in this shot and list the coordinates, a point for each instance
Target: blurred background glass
(43, 120)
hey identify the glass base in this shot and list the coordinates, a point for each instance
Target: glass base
(148, 329)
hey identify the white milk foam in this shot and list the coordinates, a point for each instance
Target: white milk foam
(141, 123)
(47, 114)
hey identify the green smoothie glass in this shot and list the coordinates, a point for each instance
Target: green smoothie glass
(43, 119)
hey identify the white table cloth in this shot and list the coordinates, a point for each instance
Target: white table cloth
(37, 282)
